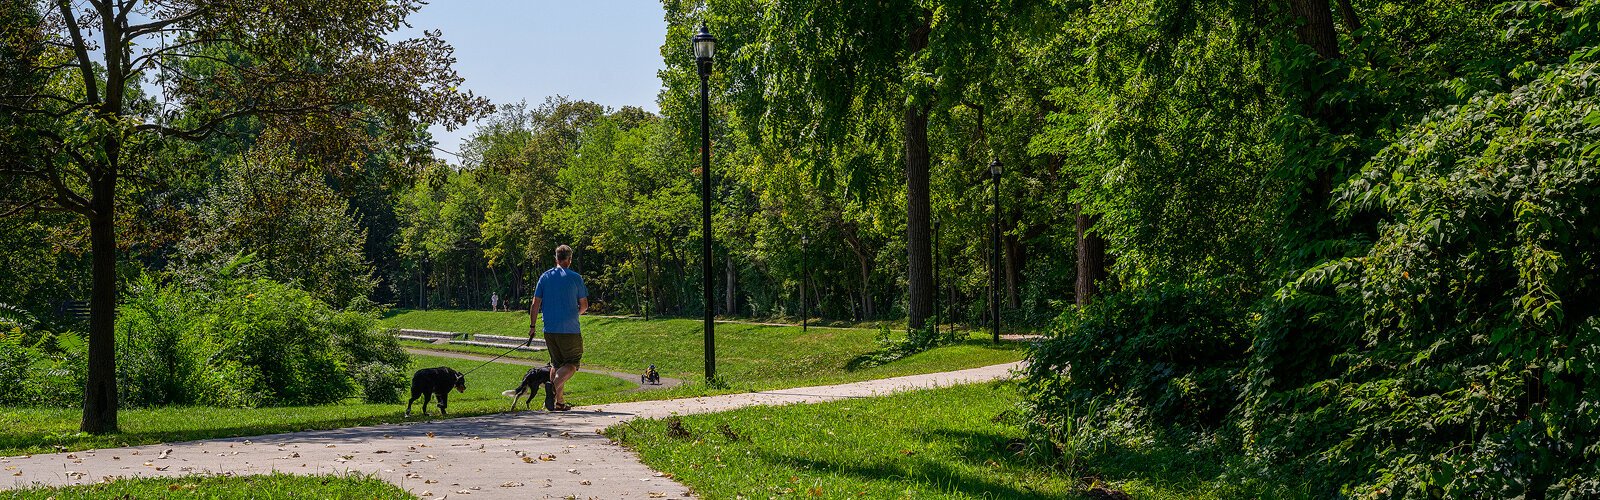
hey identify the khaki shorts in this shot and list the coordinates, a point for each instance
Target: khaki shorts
(565, 348)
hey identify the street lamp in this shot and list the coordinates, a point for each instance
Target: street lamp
(805, 272)
(994, 259)
(705, 46)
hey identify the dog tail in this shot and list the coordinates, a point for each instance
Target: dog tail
(510, 394)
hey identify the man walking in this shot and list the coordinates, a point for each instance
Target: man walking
(561, 296)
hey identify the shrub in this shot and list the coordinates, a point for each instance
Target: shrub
(1457, 354)
(240, 342)
(1170, 352)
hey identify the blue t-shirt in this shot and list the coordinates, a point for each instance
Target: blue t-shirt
(559, 289)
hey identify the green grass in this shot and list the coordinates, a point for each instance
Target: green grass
(749, 357)
(944, 443)
(276, 485)
(958, 442)
(40, 430)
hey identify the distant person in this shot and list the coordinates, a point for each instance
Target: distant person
(494, 301)
(561, 296)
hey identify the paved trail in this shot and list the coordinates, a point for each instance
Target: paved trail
(510, 455)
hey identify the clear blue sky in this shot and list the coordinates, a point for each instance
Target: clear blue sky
(605, 51)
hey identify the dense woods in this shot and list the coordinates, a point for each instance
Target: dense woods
(1348, 244)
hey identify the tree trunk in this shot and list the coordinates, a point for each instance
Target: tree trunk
(919, 249)
(1091, 259)
(100, 391)
(1314, 26)
(730, 303)
(1013, 251)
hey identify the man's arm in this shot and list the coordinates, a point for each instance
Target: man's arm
(533, 315)
(583, 305)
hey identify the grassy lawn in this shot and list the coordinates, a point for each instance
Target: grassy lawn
(945, 443)
(39, 430)
(749, 357)
(259, 487)
(958, 442)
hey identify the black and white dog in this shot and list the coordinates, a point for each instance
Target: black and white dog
(429, 382)
(531, 382)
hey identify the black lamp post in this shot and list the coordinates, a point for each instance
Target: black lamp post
(805, 272)
(994, 259)
(704, 47)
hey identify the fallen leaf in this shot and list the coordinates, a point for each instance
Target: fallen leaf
(547, 457)
(17, 473)
(658, 494)
(527, 460)
(427, 493)
(585, 482)
(430, 433)
(149, 464)
(430, 481)
(464, 492)
(71, 456)
(333, 446)
(574, 471)
(512, 484)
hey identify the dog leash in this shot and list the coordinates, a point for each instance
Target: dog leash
(491, 360)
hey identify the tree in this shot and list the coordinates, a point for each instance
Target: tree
(271, 204)
(290, 63)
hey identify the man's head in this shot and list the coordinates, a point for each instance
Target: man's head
(564, 256)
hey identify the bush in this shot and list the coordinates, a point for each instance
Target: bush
(45, 369)
(1169, 352)
(241, 342)
(1456, 355)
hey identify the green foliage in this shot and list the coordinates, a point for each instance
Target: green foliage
(272, 205)
(43, 368)
(1467, 331)
(893, 347)
(1171, 353)
(244, 342)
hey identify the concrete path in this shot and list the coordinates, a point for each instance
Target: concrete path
(510, 455)
(630, 377)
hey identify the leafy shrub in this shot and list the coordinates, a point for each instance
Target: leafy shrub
(1169, 352)
(42, 368)
(892, 347)
(241, 342)
(1459, 354)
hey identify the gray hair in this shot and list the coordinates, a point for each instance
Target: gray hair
(563, 252)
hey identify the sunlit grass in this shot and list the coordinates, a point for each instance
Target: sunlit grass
(748, 357)
(945, 443)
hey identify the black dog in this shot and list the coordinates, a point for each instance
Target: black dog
(429, 382)
(531, 381)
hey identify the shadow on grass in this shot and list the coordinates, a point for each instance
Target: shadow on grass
(877, 357)
(929, 475)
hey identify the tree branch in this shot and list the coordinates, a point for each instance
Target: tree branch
(90, 89)
(139, 30)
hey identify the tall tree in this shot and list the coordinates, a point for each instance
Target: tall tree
(290, 63)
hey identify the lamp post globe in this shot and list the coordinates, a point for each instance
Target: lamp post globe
(705, 47)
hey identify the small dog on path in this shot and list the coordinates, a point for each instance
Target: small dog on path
(430, 382)
(531, 382)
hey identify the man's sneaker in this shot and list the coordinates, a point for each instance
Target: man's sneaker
(549, 396)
